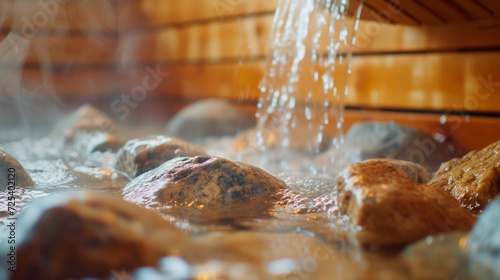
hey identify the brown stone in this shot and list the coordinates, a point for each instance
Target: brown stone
(474, 179)
(387, 208)
(90, 235)
(19, 175)
(141, 155)
(204, 181)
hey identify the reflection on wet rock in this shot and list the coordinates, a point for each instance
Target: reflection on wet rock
(141, 155)
(474, 180)
(484, 243)
(12, 173)
(388, 208)
(97, 141)
(391, 140)
(440, 257)
(204, 181)
(208, 117)
(90, 235)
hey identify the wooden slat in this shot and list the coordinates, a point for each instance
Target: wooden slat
(250, 38)
(392, 12)
(416, 82)
(446, 10)
(423, 15)
(153, 13)
(493, 5)
(26, 17)
(64, 51)
(77, 84)
(474, 9)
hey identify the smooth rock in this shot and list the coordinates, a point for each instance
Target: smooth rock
(141, 155)
(22, 178)
(387, 208)
(438, 257)
(204, 181)
(97, 142)
(89, 235)
(208, 117)
(391, 140)
(474, 179)
(87, 119)
(484, 243)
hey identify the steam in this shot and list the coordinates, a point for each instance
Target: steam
(49, 49)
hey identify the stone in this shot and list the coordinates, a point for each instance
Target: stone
(474, 179)
(81, 235)
(484, 243)
(140, 155)
(390, 140)
(438, 257)
(414, 171)
(204, 181)
(387, 208)
(21, 177)
(97, 141)
(87, 119)
(208, 117)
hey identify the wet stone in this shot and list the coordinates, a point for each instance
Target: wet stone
(89, 235)
(368, 140)
(204, 181)
(97, 142)
(387, 208)
(141, 155)
(19, 175)
(484, 243)
(86, 119)
(414, 171)
(208, 117)
(474, 179)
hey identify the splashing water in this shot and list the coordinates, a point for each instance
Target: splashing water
(304, 87)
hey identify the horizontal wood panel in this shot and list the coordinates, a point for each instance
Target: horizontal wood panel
(250, 38)
(457, 81)
(81, 84)
(27, 18)
(62, 52)
(156, 13)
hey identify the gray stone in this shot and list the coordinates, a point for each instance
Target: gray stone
(20, 176)
(97, 141)
(141, 155)
(89, 235)
(391, 140)
(484, 243)
(208, 117)
(204, 181)
(438, 257)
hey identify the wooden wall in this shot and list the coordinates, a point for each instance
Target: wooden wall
(420, 57)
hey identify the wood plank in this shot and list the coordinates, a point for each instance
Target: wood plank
(475, 9)
(446, 10)
(423, 15)
(392, 12)
(76, 84)
(29, 17)
(443, 82)
(493, 5)
(250, 38)
(64, 51)
(154, 13)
